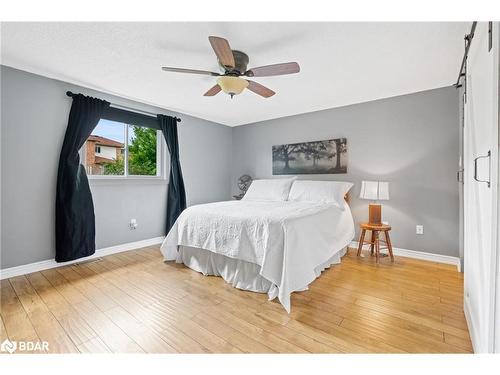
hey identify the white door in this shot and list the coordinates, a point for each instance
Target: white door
(480, 198)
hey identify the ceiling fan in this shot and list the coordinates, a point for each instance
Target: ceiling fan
(233, 64)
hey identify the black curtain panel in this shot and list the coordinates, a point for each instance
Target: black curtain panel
(75, 221)
(176, 199)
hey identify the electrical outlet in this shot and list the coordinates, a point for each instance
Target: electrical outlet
(419, 229)
(133, 224)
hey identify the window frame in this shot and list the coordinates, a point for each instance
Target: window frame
(161, 164)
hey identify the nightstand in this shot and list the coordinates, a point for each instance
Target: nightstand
(375, 241)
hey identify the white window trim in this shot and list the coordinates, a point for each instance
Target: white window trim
(161, 167)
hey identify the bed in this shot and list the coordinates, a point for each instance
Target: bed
(268, 246)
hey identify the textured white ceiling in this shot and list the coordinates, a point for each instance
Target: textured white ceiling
(341, 63)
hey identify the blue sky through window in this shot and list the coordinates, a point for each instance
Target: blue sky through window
(113, 130)
(110, 129)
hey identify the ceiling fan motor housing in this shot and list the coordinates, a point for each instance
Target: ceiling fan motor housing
(240, 64)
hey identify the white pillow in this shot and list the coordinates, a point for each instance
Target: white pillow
(269, 190)
(320, 192)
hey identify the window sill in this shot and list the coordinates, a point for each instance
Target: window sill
(127, 181)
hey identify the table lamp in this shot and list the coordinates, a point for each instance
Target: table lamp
(374, 191)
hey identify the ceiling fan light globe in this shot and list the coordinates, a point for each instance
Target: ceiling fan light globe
(232, 85)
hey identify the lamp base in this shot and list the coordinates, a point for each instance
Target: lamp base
(375, 214)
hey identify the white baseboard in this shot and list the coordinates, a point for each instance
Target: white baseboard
(51, 263)
(438, 258)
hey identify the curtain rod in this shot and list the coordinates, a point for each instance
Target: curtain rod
(70, 94)
(468, 40)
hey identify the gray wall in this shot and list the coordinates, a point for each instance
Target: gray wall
(411, 141)
(34, 114)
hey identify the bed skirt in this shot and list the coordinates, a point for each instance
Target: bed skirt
(239, 273)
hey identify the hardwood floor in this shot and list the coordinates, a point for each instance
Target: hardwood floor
(133, 302)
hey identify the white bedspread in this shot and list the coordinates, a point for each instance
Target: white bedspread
(288, 240)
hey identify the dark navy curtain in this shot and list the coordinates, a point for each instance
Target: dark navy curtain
(75, 221)
(176, 199)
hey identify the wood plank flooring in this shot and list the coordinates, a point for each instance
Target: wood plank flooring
(134, 302)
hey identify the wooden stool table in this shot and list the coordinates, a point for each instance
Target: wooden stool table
(375, 240)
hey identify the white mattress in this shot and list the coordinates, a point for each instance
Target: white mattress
(287, 241)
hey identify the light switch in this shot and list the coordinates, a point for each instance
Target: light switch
(419, 229)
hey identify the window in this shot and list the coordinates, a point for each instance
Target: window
(116, 149)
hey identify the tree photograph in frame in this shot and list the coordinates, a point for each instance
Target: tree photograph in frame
(317, 157)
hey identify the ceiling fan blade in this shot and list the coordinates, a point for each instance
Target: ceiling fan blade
(259, 89)
(213, 91)
(222, 50)
(273, 70)
(192, 71)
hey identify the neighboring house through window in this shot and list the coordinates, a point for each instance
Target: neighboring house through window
(101, 151)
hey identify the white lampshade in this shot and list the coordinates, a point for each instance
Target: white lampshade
(374, 190)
